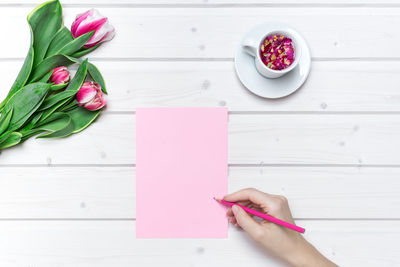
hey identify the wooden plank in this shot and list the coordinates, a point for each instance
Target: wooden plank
(332, 86)
(113, 243)
(109, 140)
(77, 192)
(110, 192)
(208, 2)
(253, 139)
(215, 32)
(326, 192)
(314, 139)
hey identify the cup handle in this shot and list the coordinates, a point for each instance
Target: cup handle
(250, 46)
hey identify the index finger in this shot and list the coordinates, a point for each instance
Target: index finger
(251, 194)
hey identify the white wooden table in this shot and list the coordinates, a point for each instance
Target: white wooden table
(333, 148)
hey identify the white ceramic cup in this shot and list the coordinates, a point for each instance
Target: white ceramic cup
(252, 47)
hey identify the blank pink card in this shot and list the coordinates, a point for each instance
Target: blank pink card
(181, 164)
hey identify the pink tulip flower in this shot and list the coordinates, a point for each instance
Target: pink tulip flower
(89, 21)
(90, 96)
(60, 76)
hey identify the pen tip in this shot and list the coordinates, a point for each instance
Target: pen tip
(217, 199)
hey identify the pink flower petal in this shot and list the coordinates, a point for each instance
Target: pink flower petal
(85, 94)
(78, 21)
(96, 103)
(60, 75)
(90, 21)
(92, 26)
(107, 37)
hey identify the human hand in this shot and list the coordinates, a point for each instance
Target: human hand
(286, 244)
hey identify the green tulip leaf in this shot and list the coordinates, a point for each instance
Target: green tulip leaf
(22, 77)
(25, 102)
(50, 111)
(70, 106)
(5, 120)
(32, 122)
(58, 125)
(62, 37)
(79, 77)
(76, 44)
(4, 136)
(13, 139)
(97, 77)
(56, 122)
(84, 51)
(23, 74)
(28, 134)
(66, 131)
(57, 87)
(48, 64)
(56, 118)
(82, 118)
(46, 77)
(45, 21)
(56, 98)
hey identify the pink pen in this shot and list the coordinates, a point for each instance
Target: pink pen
(264, 216)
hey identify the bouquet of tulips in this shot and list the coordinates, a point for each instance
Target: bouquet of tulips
(44, 99)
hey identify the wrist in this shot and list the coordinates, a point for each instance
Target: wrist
(304, 254)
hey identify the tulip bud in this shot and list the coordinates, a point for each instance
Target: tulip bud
(60, 76)
(90, 96)
(89, 21)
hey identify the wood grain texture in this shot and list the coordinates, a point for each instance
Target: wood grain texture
(212, 2)
(253, 139)
(109, 192)
(332, 148)
(67, 192)
(216, 32)
(332, 86)
(113, 243)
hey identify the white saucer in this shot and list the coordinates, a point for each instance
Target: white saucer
(266, 87)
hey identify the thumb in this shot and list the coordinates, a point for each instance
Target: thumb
(245, 221)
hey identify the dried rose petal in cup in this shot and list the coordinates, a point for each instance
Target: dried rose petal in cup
(277, 51)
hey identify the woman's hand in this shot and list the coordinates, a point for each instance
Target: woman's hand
(284, 243)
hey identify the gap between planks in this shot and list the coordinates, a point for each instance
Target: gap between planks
(291, 112)
(293, 165)
(219, 5)
(134, 219)
(222, 59)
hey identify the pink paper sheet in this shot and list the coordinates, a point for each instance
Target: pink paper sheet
(181, 164)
